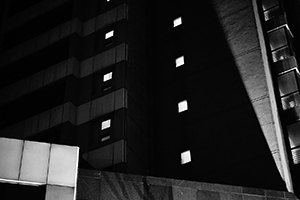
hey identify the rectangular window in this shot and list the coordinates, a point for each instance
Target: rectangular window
(177, 22)
(279, 44)
(179, 61)
(109, 34)
(182, 106)
(271, 8)
(287, 83)
(103, 81)
(105, 124)
(294, 139)
(290, 101)
(186, 157)
(101, 130)
(288, 89)
(107, 76)
(278, 38)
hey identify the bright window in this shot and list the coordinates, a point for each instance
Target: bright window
(109, 34)
(186, 157)
(179, 61)
(182, 106)
(177, 22)
(105, 124)
(107, 76)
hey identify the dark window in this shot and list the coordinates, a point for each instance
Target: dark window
(294, 140)
(271, 9)
(279, 44)
(288, 89)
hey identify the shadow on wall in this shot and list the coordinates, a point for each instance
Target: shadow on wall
(220, 127)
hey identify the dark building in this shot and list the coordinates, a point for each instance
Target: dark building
(196, 91)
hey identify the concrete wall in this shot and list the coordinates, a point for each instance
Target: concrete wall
(239, 24)
(93, 185)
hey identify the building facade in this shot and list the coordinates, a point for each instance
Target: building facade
(171, 89)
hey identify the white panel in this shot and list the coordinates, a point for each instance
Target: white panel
(10, 158)
(63, 165)
(35, 162)
(59, 193)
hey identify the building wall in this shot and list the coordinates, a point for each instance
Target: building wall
(104, 185)
(54, 56)
(60, 54)
(223, 79)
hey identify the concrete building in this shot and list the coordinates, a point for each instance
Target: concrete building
(201, 92)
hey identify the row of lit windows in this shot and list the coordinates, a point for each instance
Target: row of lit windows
(182, 105)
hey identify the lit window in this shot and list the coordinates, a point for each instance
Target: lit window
(105, 138)
(177, 22)
(105, 124)
(107, 76)
(179, 61)
(109, 34)
(186, 157)
(182, 106)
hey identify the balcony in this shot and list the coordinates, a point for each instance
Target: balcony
(285, 65)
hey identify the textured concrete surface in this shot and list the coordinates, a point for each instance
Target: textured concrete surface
(94, 185)
(238, 22)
